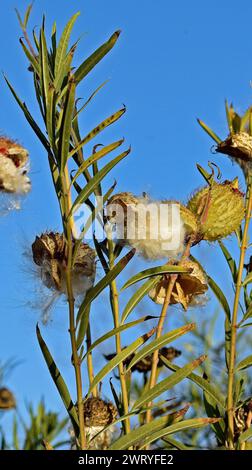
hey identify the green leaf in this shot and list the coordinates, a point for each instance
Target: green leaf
(115, 331)
(118, 359)
(229, 119)
(66, 126)
(138, 434)
(89, 100)
(95, 157)
(63, 46)
(166, 269)
(177, 444)
(245, 363)
(138, 296)
(167, 383)
(44, 67)
(245, 120)
(29, 117)
(30, 57)
(248, 314)
(104, 282)
(64, 72)
(247, 280)
(220, 297)
(194, 423)
(246, 435)
(158, 343)
(212, 390)
(58, 380)
(209, 131)
(231, 262)
(27, 15)
(95, 58)
(90, 187)
(91, 135)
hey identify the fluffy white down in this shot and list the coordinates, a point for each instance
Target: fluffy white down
(13, 179)
(153, 237)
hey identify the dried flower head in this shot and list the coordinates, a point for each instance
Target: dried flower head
(188, 286)
(148, 226)
(50, 254)
(219, 208)
(97, 415)
(13, 167)
(7, 399)
(145, 364)
(239, 148)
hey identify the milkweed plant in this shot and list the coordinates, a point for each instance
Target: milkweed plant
(121, 226)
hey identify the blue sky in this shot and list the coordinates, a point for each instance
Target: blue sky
(174, 62)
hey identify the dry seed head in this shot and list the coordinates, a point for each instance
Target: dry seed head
(50, 254)
(13, 160)
(219, 208)
(188, 286)
(98, 412)
(7, 399)
(141, 225)
(239, 148)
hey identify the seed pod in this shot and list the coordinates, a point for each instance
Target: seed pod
(13, 172)
(239, 148)
(50, 254)
(187, 288)
(146, 225)
(7, 399)
(98, 414)
(219, 208)
(145, 364)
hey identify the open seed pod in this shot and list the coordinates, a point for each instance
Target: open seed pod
(13, 172)
(239, 148)
(7, 399)
(97, 415)
(145, 364)
(187, 288)
(50, 254)
(219, 208)
(147, 225)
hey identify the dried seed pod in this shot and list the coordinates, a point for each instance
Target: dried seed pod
(13, 171)
(239, 148)
(148, 226)
(7, 399)
(97, 415)
(145, 364)
(50, 254)
(188, 286)
(219, 208)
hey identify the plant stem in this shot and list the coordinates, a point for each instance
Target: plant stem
(155, 357)
(115, 308)
(231, 368)
(72, 326)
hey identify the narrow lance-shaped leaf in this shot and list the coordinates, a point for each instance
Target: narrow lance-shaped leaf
(91, 135)
(220, 296)
(231, 262)
(63, 45)
(29, 117)
(66, 125)
(95, 58)
(33, 61)
(167, 383)
(44, 67)
(95, 157)
(58, 379)
(104, 282)
(193, 423)
(209, 131)
(245, 363)
(119, 358)
(212, 390)
(90, 187)
(115, 331)
(139, 295)
(158, 343)
(166, 269)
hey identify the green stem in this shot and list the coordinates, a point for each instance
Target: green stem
(72, 326)
(116, 315)
(233, 339)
